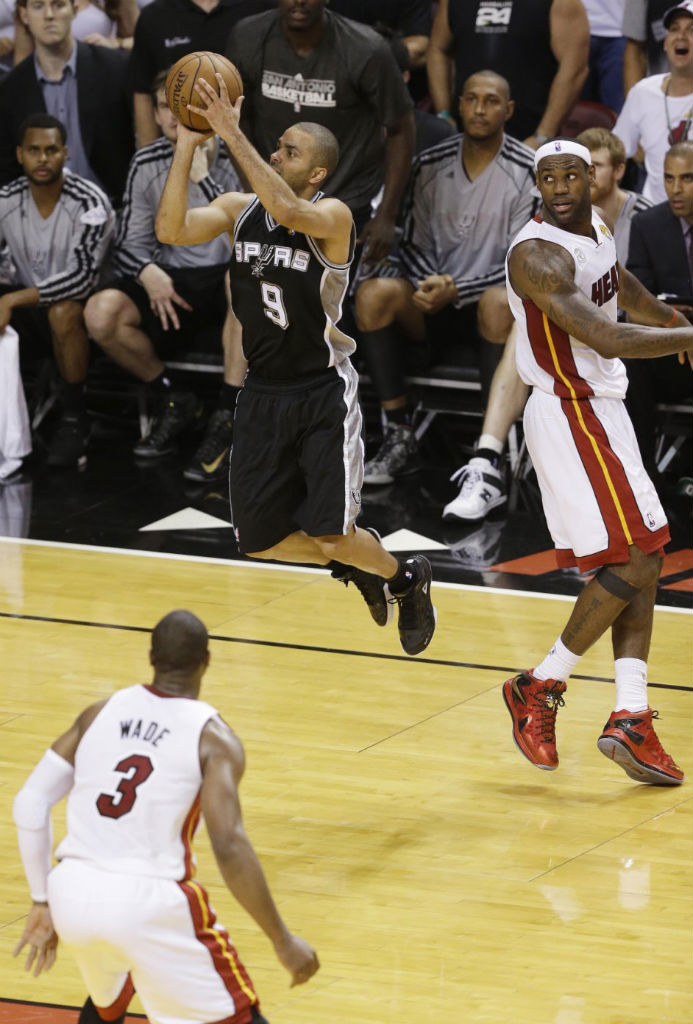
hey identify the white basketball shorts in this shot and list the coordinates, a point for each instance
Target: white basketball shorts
(156, 934)
(597, 497)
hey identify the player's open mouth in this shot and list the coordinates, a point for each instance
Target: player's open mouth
(562, 207)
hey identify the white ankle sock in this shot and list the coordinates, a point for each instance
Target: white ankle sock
(491, 442)
(558, 663)
(631, 684)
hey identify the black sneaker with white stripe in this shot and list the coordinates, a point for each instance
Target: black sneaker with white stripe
(417, 616)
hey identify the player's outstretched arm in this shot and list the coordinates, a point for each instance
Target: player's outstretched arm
(328, 220)
(222, 762)
(177, 225)
(544, 273)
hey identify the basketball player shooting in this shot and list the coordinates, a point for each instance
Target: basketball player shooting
(297, 459)
(564, 286)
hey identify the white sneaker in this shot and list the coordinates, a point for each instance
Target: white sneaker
(481, 489)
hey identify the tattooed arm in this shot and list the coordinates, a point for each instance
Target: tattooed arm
(642, 306)
(544, 273)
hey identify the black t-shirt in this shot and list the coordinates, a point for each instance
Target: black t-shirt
(408, 17)
(350, 83)
(168, 29)
(513, 38)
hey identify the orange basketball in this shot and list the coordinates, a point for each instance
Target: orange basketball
(181, 79)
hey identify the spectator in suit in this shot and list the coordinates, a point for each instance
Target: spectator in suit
(661, 254)
(165, 296)
(80, 84)
(168, 29)
(57, 228)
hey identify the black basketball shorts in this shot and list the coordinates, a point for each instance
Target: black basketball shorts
(297, 458)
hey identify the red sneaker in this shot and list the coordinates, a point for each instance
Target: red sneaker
(533, 704)
(629, 739)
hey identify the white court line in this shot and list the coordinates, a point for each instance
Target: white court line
(235, 563)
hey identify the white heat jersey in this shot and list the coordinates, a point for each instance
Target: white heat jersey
(547, 357)
(135, 803)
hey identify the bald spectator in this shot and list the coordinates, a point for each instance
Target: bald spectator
(540, 46)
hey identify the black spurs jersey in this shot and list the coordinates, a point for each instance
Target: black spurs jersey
(288, 297)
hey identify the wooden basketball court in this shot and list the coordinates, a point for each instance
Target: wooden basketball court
(442, 878)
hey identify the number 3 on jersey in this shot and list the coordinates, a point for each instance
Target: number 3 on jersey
(274, 304)
(141, 767)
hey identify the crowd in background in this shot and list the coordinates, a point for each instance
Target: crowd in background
(437, 108)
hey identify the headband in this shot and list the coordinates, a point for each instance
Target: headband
(562, 147)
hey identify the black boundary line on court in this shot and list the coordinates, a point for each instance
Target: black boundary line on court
(58, 1006)
(323, 650)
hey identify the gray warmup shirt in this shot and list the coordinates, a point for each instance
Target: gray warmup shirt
(136, 241)
(61, 255)
(460, 227)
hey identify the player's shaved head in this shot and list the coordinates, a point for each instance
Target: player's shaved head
(500, 83)
(325, 145)
(179, 642)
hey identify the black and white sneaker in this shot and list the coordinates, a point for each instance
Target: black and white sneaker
(481, 489)
(397, 456)
(67, 448)
(417, 616)
(211, 460)
(372, 588)
(180, 410)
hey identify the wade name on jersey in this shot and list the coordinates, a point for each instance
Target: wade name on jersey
(266, 255)
(135, 729)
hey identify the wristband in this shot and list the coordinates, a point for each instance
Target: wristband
(540, 137)
(443, 113)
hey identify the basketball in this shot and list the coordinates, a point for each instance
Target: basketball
(181, 79)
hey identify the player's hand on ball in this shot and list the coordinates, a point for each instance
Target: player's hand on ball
(299, 958)
(222, 115)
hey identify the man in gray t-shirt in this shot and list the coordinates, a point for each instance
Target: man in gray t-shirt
(305, 63)
(57, 228)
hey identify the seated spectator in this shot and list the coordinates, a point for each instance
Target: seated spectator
(7, 35)
(166, 295)
(410, 19)
(543, 58)
(659, 110)
(607, 45)
(644, 34)
(661, 245)
(468, 196)
(168, 29)
(57, 228)
(481, 484)
(303, 62)
(82, 85)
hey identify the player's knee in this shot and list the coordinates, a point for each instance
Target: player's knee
(102, 315)
(494, 318)
(375, 304)
(65, 316)
(640, 573)
(331, 547)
